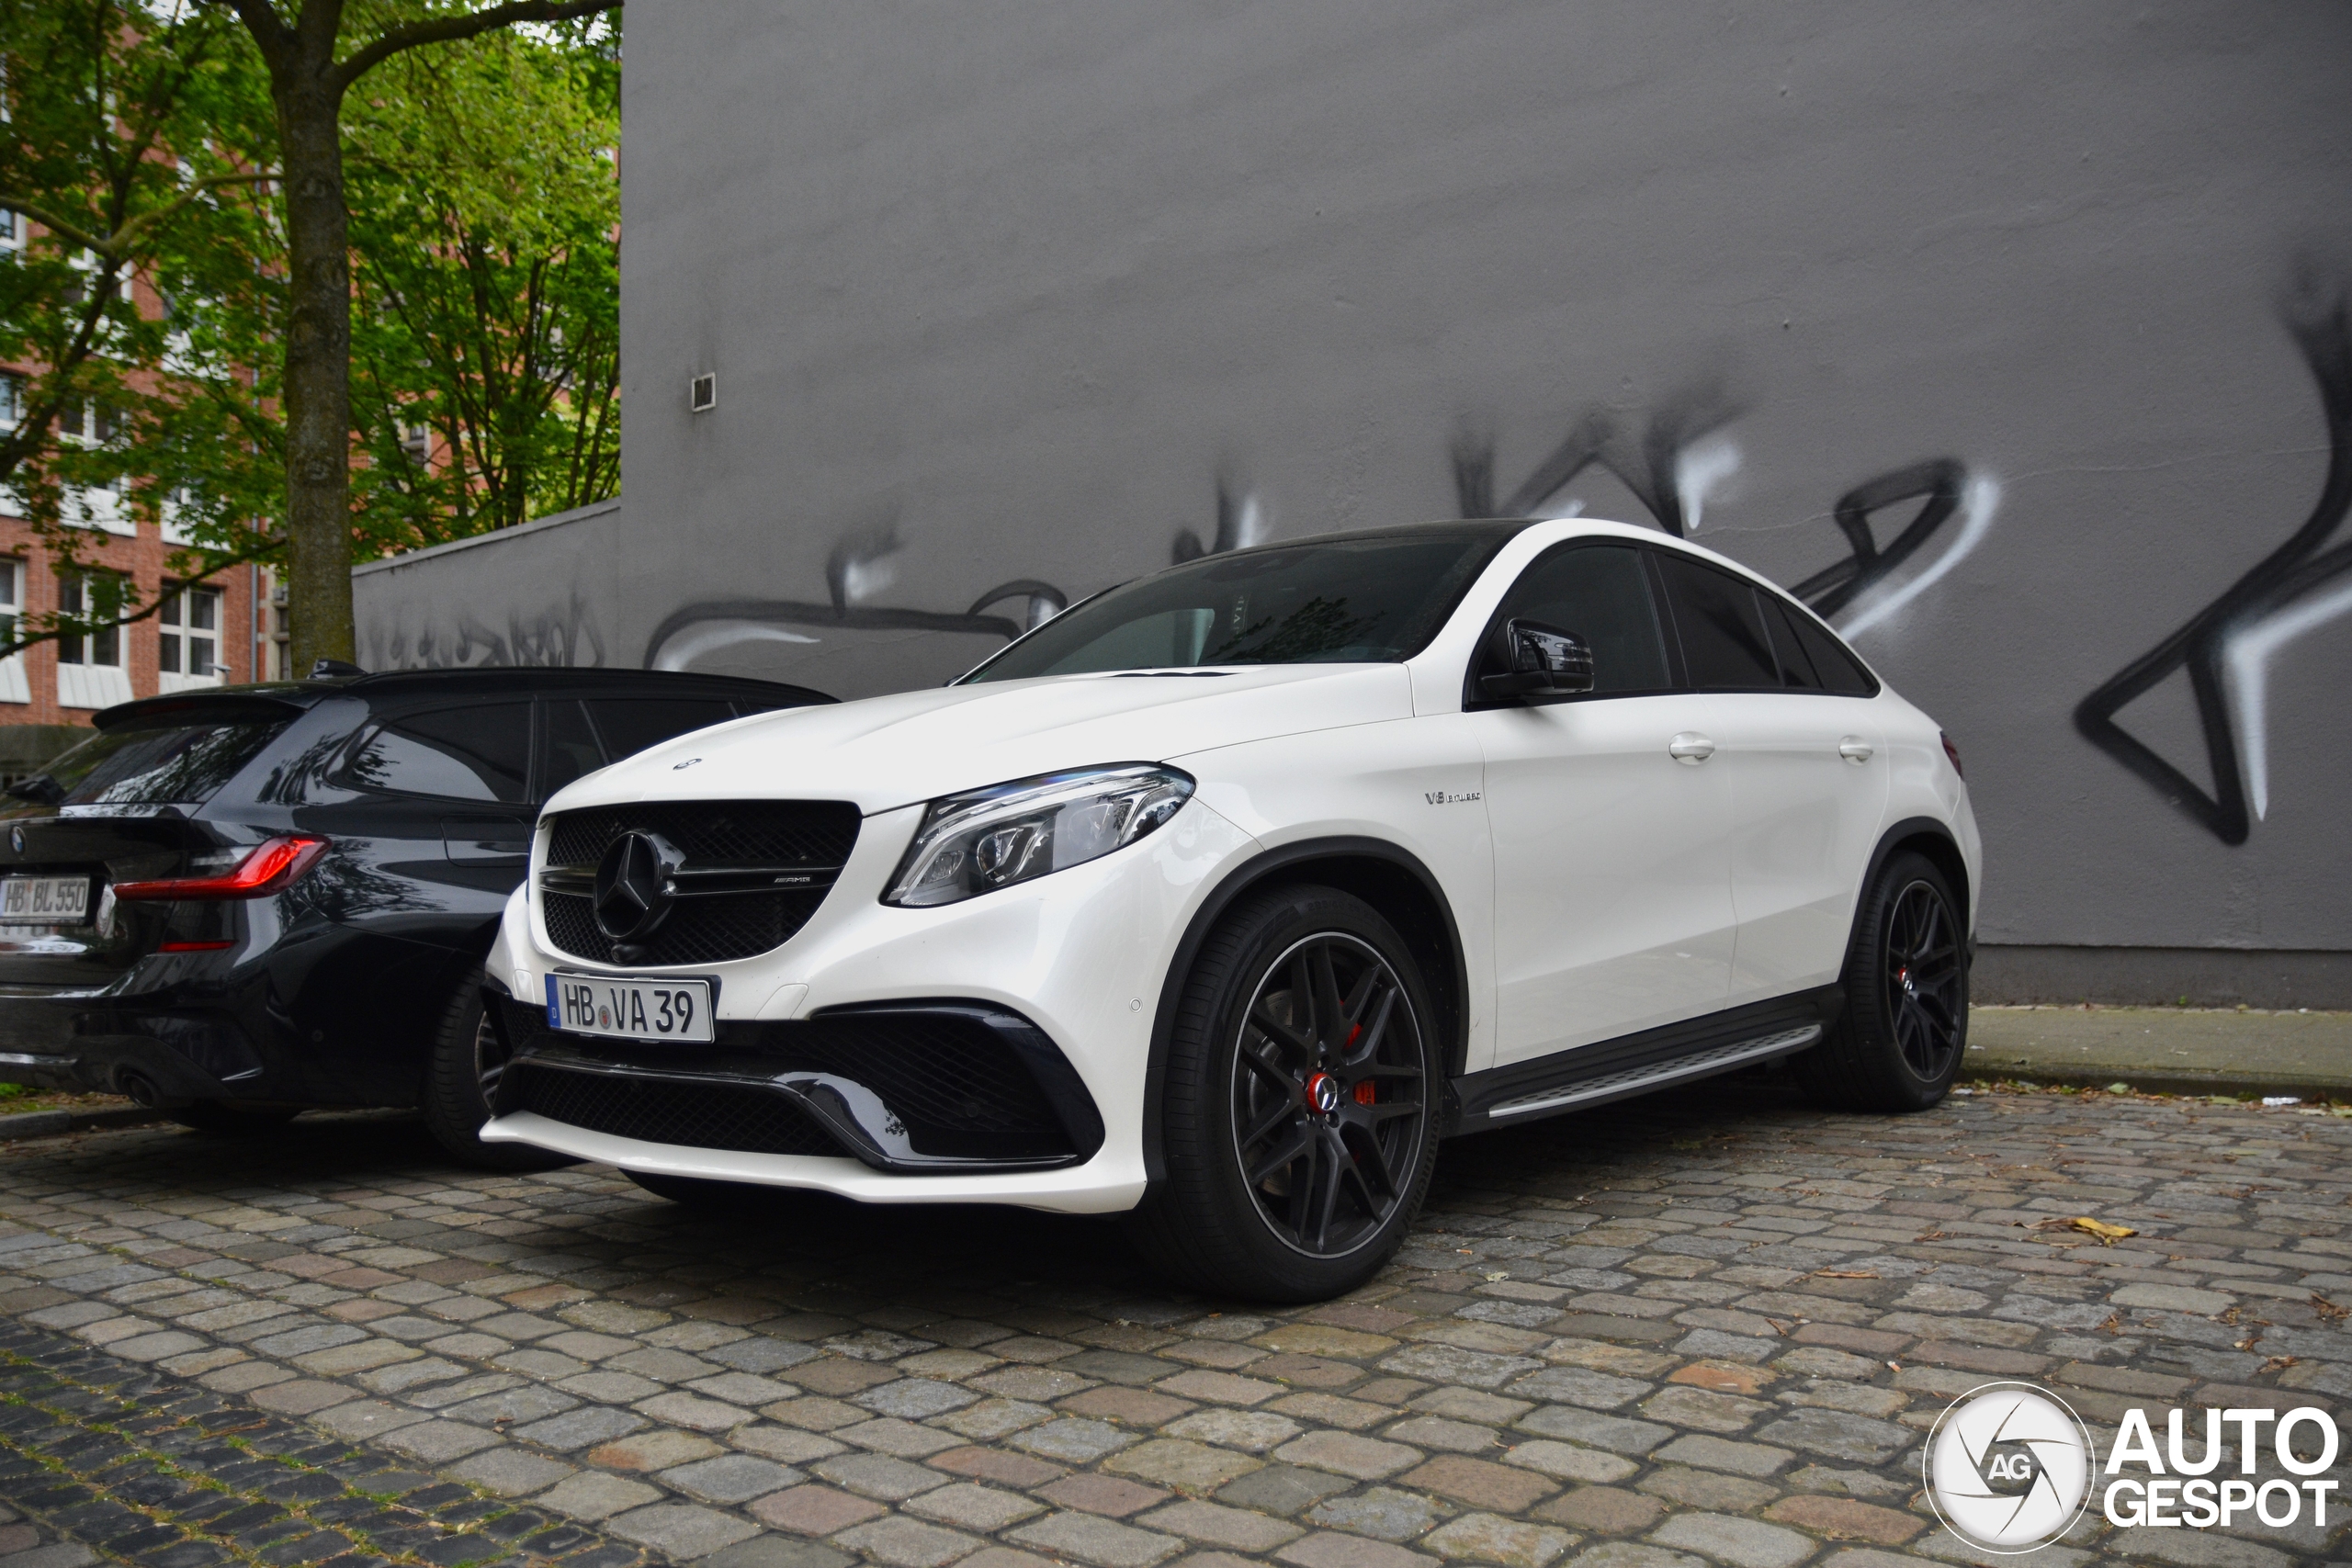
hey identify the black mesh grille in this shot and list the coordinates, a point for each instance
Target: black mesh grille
(665, 1111)
(946, 1078)
(715, 832)
(712, 835)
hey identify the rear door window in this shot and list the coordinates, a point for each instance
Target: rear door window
(629, 725)
(1834, 663)
(1724, 645)
(481, 751)
(572, 751)
(176, 765)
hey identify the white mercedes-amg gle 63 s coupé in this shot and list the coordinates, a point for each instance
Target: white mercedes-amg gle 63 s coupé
(1219, 899)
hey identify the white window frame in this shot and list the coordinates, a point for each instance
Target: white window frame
(174, 637)
(16, 686)
(82, 680)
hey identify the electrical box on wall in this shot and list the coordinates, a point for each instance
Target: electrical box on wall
(702, 393)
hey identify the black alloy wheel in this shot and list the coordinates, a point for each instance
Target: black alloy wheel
(1924, 986)
(1329, 1096)
(461, 1085)
(1294, 1110)
(1902, 1034)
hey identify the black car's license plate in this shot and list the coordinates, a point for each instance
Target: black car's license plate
(44, 901)
(630, 1009)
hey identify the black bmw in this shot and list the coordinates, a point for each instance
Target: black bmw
(236, 903)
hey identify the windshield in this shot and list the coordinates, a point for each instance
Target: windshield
(1366, 598)
(174, 765)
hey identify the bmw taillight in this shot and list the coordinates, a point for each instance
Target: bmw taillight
(268, 867)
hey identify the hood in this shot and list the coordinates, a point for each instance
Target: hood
(885, 752)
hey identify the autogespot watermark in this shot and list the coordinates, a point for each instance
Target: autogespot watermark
(2010, 1467)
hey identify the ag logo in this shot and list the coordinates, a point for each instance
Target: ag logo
(2009, 1468)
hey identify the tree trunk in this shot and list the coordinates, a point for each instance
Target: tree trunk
(318, 369)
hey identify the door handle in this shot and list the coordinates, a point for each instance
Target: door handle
(1855, 749)
(1690, 748)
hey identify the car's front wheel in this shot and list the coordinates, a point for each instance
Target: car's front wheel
(1899, 1042)
(459, 1080)
(1302, 1064)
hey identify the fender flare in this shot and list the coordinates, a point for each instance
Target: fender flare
(1913, 827)
(1248, 875)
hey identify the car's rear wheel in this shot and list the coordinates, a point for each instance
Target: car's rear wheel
(1295, 1126)
(1900, 1041)
(460, 1080)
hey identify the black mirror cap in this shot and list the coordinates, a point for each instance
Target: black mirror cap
(1546, 662)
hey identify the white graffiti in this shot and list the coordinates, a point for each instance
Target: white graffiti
(1979, 502)
(2246, 663)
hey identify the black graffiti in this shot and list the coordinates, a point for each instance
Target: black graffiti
(1642, 460)
(1938, 480)
(858, 549)
(555, 638)
(1645, 462)
(2318, 323)
(1229, 507)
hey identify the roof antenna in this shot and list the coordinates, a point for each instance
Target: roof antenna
(334, 669)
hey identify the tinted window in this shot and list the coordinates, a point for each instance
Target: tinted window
(1796, 665)
(572, 748)
(1599, 593)
(476, 752)
(1724, 643)
(1839, 670)
(182, 766)
(628, 725)
(1340, 601)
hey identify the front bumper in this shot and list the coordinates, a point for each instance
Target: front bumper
(1079, 958)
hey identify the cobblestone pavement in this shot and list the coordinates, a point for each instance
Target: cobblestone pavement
(1713, 1326)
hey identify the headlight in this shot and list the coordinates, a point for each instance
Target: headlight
(976, 843)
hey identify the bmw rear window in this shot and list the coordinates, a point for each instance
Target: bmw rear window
(179, 764)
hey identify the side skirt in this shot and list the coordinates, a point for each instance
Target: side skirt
(1587, 1076)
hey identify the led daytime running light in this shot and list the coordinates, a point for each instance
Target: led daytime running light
(269, 866)
(974, 843)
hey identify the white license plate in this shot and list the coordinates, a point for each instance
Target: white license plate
(630, 1009)
(44, 901)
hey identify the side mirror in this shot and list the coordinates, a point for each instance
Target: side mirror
(1545, 663)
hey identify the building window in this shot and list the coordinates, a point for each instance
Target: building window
(14, 688)
(89, 664)
(81, 595)
(188, 646)
(12, 400)
(12, 231)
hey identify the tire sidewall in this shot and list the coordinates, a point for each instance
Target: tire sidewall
(1216, 1000)
(1866, 993)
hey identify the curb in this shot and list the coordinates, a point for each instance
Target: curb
(47, 1123)
(2164, 1080)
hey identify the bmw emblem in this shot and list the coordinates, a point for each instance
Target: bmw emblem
(17, 838)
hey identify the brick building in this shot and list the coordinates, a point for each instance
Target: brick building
(207, 634)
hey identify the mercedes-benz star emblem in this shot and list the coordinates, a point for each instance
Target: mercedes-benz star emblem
(632, 894)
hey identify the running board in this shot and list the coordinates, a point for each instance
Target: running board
(1606, 1070)
(1641, 1080)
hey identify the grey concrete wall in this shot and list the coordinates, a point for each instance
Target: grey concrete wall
(1010, 301)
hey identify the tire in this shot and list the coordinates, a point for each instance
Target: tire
(223, 1119)
(1903, 1032)
(466, 1060)
(1258, 1070)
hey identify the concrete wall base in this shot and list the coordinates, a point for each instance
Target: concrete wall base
(2163, 976)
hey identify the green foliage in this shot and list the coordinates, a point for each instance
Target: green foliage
(113, 142)
(485, 224)
(485, 208)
